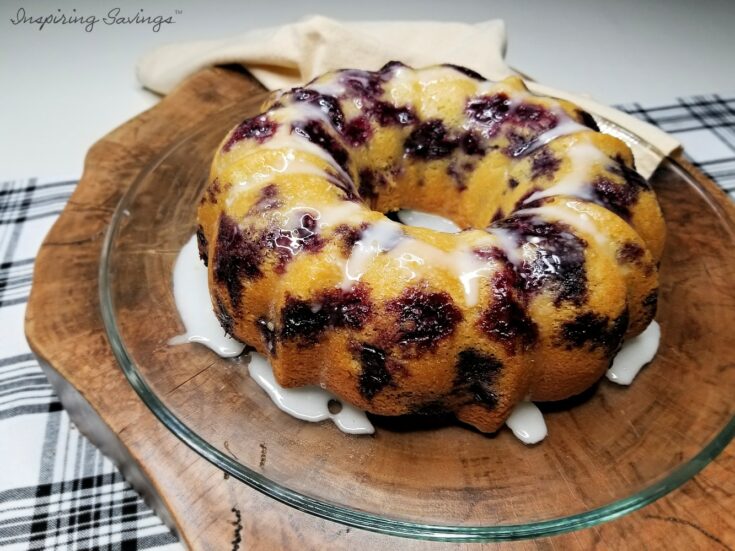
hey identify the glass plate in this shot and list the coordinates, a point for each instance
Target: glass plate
(608, 452)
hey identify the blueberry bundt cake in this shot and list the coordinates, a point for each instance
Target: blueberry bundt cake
(555, 266)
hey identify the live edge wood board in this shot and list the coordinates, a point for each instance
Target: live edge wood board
(206, 509)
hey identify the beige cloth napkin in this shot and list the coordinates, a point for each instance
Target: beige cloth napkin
(286, 56)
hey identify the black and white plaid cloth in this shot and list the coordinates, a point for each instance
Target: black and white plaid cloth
(57, 491)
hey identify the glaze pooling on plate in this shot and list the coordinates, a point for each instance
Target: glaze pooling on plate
(527, 423)
(308, 403)
(634, 355)
(191, 293)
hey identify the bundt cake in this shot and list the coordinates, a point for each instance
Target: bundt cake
(556, 264)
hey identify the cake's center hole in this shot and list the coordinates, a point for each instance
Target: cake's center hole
(420, 219)
(334, 406)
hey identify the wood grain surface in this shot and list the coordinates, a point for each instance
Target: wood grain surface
(207, 509)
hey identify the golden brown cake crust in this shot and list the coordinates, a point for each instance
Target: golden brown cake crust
(557, 262)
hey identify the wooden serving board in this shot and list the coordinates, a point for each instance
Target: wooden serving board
(207, 509)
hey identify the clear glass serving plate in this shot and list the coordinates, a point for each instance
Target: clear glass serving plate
(608, 452)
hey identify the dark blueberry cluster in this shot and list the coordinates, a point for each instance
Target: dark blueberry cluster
(374, 375)
(477, 374)
(518, 143)
(259, 128)
(528, 120)
(329, 105)
(315, 132)
(350, 309)
(615, 196)
(559, 263)
(355, 132)
(358, 131)
(303, 320)
(489, 111)
(306, 320)
(534, 117)
(594, 331)
(370, 182)
(362, 84)
(430, 140)
(619, 197)
(423, 317)
(544, 163)
(387, 114)
(238, 254)
(368, 87)
(471, 143)
(506, 320)
(630, 253)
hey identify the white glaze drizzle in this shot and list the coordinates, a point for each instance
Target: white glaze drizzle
(283, 139)
(309, 403)
(573, 214)
(288, 145)
(508, 244)
(634, 355)
(415, 256)
(191, 293)
(378, 238)
(403, 80)
(341, 213)
(582, 156)
(527, 423)
(325, 216)
(287, 161)
(564, 127)
(470, 271)
(328, 88)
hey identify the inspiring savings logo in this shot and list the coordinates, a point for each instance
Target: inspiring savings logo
(88, 22)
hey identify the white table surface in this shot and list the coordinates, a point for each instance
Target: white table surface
(62, 88)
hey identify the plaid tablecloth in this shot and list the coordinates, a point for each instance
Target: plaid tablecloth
(57, 491)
